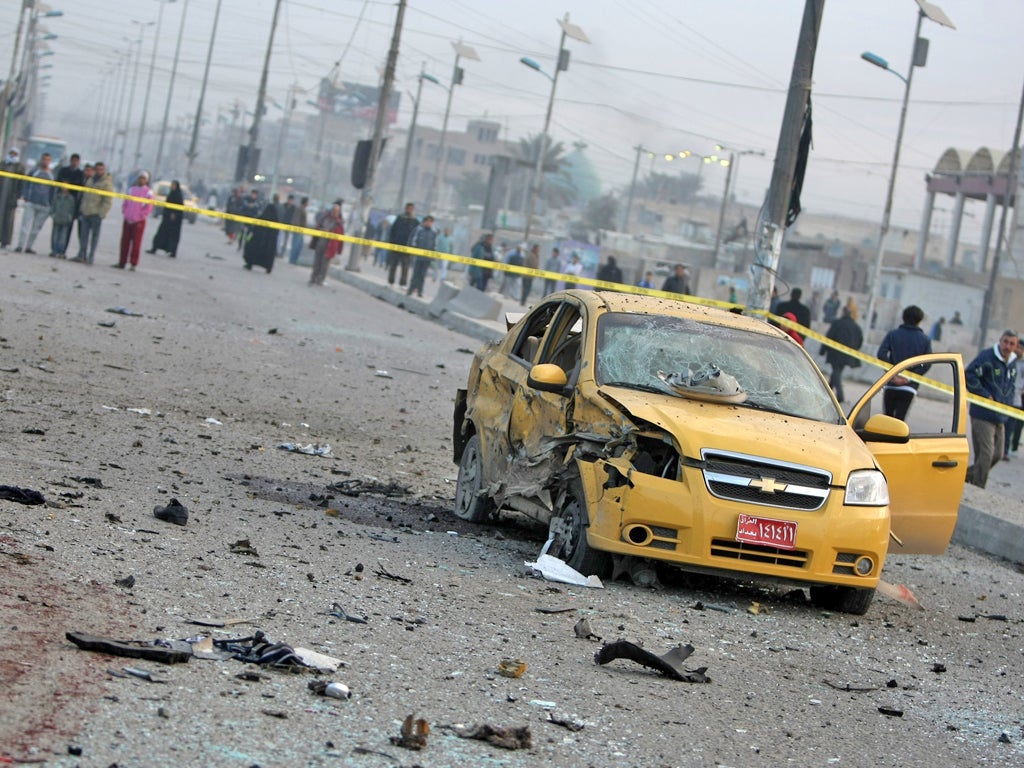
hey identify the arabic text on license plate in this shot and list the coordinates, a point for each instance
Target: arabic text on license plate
(764, 530)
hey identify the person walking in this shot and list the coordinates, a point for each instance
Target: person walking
(234, 207)
(401, 231)
(298, 220)
(38, 198)
(844, 330)
(801, 313)
(445, 244)
(908, 340)
(1013, 426)
(423, 237)
(73, 173)
(483, 250)
(287, 214)
(553, 264)
(62, 211)
(610, 272)
(169, 232)
(830, 309)
(135, 214)
(533, 262)
(94, 209)
(327, 248)
(10, 191)
(678, 281)
(574, 268)
(250, 206)
(261, 242)
(992, 375)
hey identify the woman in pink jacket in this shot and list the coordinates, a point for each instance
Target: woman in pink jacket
(135, 214)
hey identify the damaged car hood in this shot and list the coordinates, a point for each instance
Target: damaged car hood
(698, 425)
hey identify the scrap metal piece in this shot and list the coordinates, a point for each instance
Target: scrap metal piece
(670, 664)
(414, 733)
(498, 736)
(128, 648)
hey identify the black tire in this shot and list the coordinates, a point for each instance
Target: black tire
(470, 502)
(843, 599)
(573, 547)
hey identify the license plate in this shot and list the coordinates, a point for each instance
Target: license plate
(764, 530)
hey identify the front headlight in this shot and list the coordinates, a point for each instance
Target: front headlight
(867, 488)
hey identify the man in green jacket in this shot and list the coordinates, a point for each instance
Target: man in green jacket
(92, 212)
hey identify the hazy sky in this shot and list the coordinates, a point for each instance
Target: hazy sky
(665, 74)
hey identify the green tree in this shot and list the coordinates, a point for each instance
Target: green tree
(558, 191)
(602, 213)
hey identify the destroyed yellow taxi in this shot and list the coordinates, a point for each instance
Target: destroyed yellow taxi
(640, 427)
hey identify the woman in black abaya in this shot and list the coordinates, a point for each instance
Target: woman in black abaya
(169, 232)
(261, 247)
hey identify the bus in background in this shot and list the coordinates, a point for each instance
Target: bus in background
(37, 145)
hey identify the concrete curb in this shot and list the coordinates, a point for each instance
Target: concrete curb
(451, 320)
(989, 534)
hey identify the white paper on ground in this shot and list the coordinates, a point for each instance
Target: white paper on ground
(318, 660)
(553, 569)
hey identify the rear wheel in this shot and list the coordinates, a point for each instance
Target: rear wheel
(843, 599)
(470, 502)
(571, 544)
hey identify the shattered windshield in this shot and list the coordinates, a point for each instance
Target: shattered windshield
(665, 354)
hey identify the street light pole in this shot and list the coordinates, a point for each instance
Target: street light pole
(918, 58)
(254, 131)
(8, 92)
(202, 94)
(632, 189)
(470, 53)
(149, 81)
(170, 91)
(412, 130)
(734, 170)
(131, 93)
(537, 176)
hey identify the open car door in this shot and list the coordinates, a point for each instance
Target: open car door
(925, 470)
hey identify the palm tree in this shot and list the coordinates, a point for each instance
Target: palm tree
(558, 189)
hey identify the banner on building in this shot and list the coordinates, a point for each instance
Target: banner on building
(355, 100)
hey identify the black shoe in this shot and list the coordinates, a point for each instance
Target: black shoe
(151, 250)
(18, 249)
(248, 266)
(29, 250)
(175, 512)
(117, 266)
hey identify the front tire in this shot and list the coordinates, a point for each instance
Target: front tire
(843, 599)
(471, 503)
(571, 545)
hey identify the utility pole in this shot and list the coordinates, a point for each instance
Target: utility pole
(412, 134)
(768, 244)
(442, 161)
(9, 89)
(149, 83)
(632, 189)
(170, 92)
(254, 131)
(202, 93)
(1012, 185)
(366, 194)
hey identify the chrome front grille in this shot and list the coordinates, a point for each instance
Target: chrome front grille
(755, 480)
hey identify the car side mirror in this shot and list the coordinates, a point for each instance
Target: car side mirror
(547, 377)
(884, 429)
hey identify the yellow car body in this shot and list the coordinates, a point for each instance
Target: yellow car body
(639, 427)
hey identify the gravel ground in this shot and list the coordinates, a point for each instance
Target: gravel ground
(191, 399)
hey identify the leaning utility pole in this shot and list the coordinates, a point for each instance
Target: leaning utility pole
(768, 242)
(1012, 186)
(254, 132)
(193, 145)
(366, 194)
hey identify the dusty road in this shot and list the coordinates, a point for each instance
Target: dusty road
(109, 415)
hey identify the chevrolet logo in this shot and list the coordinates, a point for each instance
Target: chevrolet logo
(768, 485)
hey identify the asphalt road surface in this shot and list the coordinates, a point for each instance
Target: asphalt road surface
(190, 396)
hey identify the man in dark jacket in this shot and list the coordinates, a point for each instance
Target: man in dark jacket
(610, 272)
(400, 233)
(678, 281)
(424, 237)
(900, 343)
(992, 374)
(794, 305)
(843, 331)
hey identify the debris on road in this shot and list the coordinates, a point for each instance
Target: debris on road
(356, 487)
(332, 690)
(553, 569)
(891, 711)
(571, 723)
(127, 582)
(670, 664)
(21, 495)
(175, 512)
(133, 672)
(513, 668)
(132, 649)
(899, 593)
(414, 733)
(383, 573)
(498, 736)
(124, 311)
(310, 449)
(243, 547)
(584, 632)
(340, 613)
(847, 688)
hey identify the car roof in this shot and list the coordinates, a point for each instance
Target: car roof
(614, 301)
